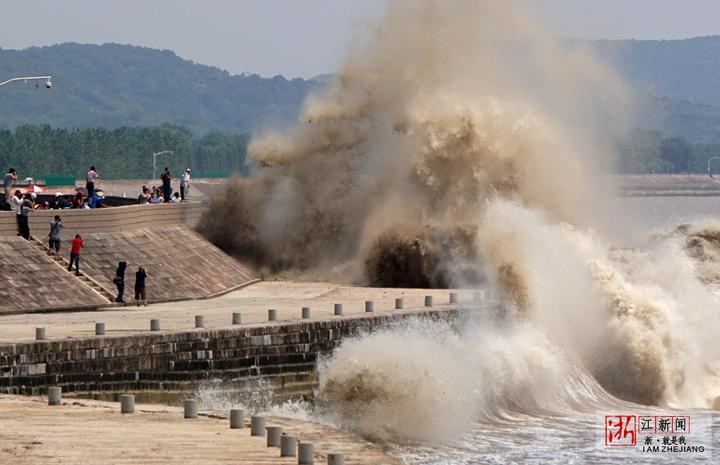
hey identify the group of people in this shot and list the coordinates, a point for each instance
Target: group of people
(23, 204)
(77, 245)
(164, 193)
(140, 277)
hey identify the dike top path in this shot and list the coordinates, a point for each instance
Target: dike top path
(252, 302)
(85, 432)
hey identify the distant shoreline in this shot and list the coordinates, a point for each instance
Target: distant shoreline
(666, 185)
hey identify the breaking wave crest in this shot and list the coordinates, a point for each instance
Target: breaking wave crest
(585, 327)
(427, 381)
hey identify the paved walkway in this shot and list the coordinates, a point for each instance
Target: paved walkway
(95, 433)
(252, 302)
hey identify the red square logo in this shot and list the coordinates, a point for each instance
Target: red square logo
(621, 430)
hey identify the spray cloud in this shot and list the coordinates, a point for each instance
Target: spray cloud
(443, 104)
(456, 147)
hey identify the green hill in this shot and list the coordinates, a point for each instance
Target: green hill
(677, 83)
(680, 70)
(116, 85)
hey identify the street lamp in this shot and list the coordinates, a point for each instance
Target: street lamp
(157, 154)
(47, 79)
(711, 159)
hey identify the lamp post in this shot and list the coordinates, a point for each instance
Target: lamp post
(157, 154)
(47, 79)
(709, 160)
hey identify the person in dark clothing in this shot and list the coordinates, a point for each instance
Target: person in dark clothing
(77, 244)
(25, 209)
(166, 184)
(120, 281)
(140, 276)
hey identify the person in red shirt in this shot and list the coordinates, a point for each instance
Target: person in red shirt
(77, 244)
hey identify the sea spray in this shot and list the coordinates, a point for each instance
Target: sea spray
(581, 319)
(425, 380)
(444, 104)
(456, 116)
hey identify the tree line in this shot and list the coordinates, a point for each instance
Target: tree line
(647, 151)
(125, 152)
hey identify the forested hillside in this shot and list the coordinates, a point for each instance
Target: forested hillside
(130, 101)
(676, 83)
(116, 85)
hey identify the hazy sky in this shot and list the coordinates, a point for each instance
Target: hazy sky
(303, 37)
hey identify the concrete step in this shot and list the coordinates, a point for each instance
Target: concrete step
(87, 281)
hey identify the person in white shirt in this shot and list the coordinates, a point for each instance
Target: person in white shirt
(15, 205)
(90, 178)
(175, 198)
(185, 184)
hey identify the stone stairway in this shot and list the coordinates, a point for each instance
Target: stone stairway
(107, 294)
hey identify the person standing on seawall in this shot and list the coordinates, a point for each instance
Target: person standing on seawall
(185, 184)
(55, 227)
(25, 208)
(90, 178)
(77, 244)
(140, 293)
(10, 178)
(15, 205)
(166, 184)
(119, 281)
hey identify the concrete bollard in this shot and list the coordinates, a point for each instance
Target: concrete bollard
(99, 329)
(288, 446)
(54, 395)
(453, 298)
(191, 408)
(478, 296)
(272, 315)
(127, 403)
(154, 325)
(428, 301)
(399, 303)
(338, 309)
(369, 306)
(306, 313)
(237, 418)
(336, 459)
(40, 334)
(273, 435)
(306, 454)
(237, 318)
(199, 321)
(257, 426)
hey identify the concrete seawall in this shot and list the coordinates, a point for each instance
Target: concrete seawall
(106, 220)
(283, 354)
